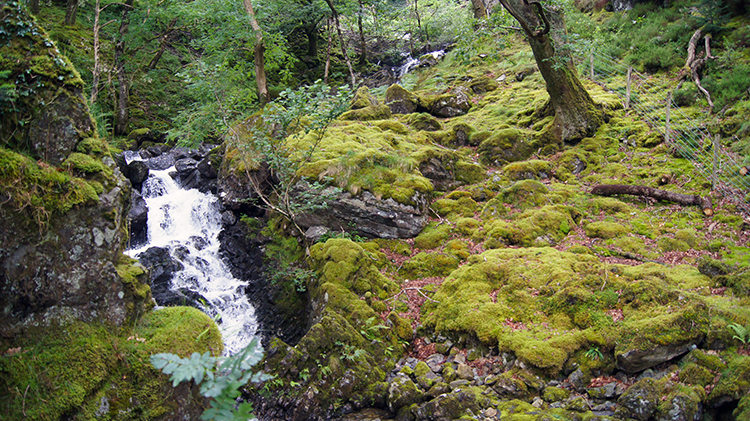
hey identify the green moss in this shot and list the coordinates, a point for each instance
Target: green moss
(422, 121)
(604, 229)
(432, 236)
(84, 163)
(393, 126)
(373, 112)
(524, 194)
(734, 383)
(545, 226)
(534, 169)
(463, 206)
(39, 189)
(697, 375)
(425, 265)
(506, 145)
(457, 248)
(555, 394)
(179, 330)
(672, 244)
(466, 226)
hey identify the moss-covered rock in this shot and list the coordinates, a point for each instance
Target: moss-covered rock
(524, 194)
(534, 169)
(504, 146)
(641, 399)
(46, 114)
(605, 229)
(372, 112)
(401, 101)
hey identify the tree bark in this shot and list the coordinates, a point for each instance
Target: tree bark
(328, 52)
(342, 41)
(644, 191)
(71, 10)
(576, 114)
(163, 41)
(362, 41)
(260, 48)
(479, 8)
(123, 86)
(694, 64)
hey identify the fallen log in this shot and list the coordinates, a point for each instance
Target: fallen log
(644, 191)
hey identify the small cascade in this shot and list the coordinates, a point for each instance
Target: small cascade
(411, 63)
(187, 224)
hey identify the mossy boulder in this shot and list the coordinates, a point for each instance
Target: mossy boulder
(423, 121)
(363, 99)
(401, 101)
(641, 399)
(89, 371)
(534, 169)
(483, 84)
(450, 104)
(734, 382)
(46, 114)
(604, 229)
(425, 265)
(524, 194)
(504, 146)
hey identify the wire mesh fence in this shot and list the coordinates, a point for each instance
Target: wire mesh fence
(685, 132)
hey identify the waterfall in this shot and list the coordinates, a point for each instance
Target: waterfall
(187, 223)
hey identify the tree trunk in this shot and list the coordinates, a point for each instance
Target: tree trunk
(71, 10)
(162, 45)
(328, 52)
(576, 114)
(362, 41)
(694, 64)
(312, 41)
(342, 41)
(123, 86)
(644, 191)
(95, 72)
(479, 8)
(260, 65)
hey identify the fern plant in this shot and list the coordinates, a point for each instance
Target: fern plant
(742, 333)
(219, 378)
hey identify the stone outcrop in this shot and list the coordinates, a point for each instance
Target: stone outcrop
(369, 216)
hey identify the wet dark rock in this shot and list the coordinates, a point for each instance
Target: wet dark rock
(138, 218)
(636, 360)
(578, 166)
(161, 162)
(278, 313)
(161, 267)
(137, 173)
(206, 169)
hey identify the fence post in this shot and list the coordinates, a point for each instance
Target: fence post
(627, 93)
(591, 61)
(669, 109)
(717, 140)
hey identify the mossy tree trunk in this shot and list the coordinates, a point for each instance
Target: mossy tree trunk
(71, 11)
(260, 48)
(123, 83)
(576, 114)
(480, 10)
(362, 41)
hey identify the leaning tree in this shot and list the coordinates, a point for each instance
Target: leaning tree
(576, 114)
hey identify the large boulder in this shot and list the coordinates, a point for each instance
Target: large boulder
(368, 215)
(450, 104)
(47, 115)
(641, 399)
(401, 101)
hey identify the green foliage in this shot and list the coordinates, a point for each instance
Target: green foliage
(219, 378)
(594, 354)
(741, 333)
(306, 114)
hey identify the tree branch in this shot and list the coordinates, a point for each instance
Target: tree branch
(644, 191)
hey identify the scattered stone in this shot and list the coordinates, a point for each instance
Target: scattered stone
(641, 399)
(402, 392)
(465, 372)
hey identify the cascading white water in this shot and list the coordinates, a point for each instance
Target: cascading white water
(187, 223)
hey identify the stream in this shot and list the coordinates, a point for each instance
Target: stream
(187, 223)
